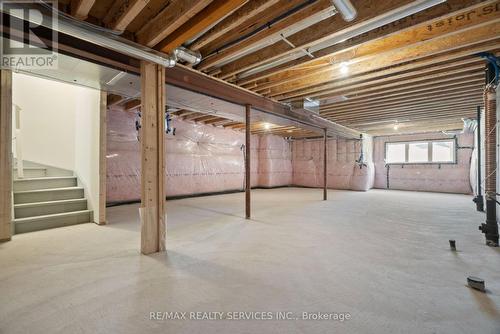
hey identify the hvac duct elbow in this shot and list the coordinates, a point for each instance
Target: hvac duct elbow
(189, 56)
(346, 9)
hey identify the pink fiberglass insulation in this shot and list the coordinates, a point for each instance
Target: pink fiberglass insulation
(343, 171)
(199, 159)
(452, 178)
(275, 161)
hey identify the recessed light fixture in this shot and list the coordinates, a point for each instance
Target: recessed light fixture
(396, 126)
(267, 126)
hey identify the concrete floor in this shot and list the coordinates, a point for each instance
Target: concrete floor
(381, 256)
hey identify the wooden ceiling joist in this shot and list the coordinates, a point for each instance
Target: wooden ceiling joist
(215, 11)
(114, 100)
(383, 97)
(317, 9)
(168, 20)
(412, 29)
(410, 100)
(80, 8)
(233, 21)
(390, 58)
(123, 12)
(133, 104)
(317, 33)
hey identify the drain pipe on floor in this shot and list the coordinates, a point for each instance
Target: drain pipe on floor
(490, 228)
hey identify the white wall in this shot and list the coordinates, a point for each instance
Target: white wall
(47, 120)
(87, 145)
(60, 128)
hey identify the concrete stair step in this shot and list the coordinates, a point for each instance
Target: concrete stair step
(47, 208)
(46, 195)
(30, 224)
(44, 183)
(31, 172)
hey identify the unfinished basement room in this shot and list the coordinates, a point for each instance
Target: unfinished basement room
(249, 166)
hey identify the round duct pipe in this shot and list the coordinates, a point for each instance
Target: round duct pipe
(184, 54)
(346, 9)
(98, 37)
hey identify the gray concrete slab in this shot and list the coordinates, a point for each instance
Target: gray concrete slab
(381, 256)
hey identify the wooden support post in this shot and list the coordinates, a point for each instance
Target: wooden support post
(5, 155)
(153, 224)
(325, 168)
(247, 161)
(103, 125)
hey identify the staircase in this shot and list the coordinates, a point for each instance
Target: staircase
(47, 198)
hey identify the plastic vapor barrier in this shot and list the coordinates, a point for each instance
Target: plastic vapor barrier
(199, 159)
(343, 171)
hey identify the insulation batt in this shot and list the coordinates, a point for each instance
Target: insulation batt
(199, 159)
(207, 159)
(343, 171)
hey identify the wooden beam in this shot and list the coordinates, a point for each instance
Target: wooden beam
(248, 140)
(430, 17)
(235, 20)
(5, 155)
(168, 20)
(103, 126)
(214, 12)
(318, 9)
(184, 77)
(153, 224)
(325, 167)
(81, 8)
(123, 12)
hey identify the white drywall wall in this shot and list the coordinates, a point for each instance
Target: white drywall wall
(47, 120)
(87, 145)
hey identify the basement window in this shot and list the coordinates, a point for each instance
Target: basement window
(421, 152)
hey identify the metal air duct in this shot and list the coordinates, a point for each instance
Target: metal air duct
(67, 26)
(189, 56)
(346, 9)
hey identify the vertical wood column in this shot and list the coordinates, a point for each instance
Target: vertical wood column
(247, 162)
(103, 141)
(5, 155)
(325, 167)
(153, 224)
